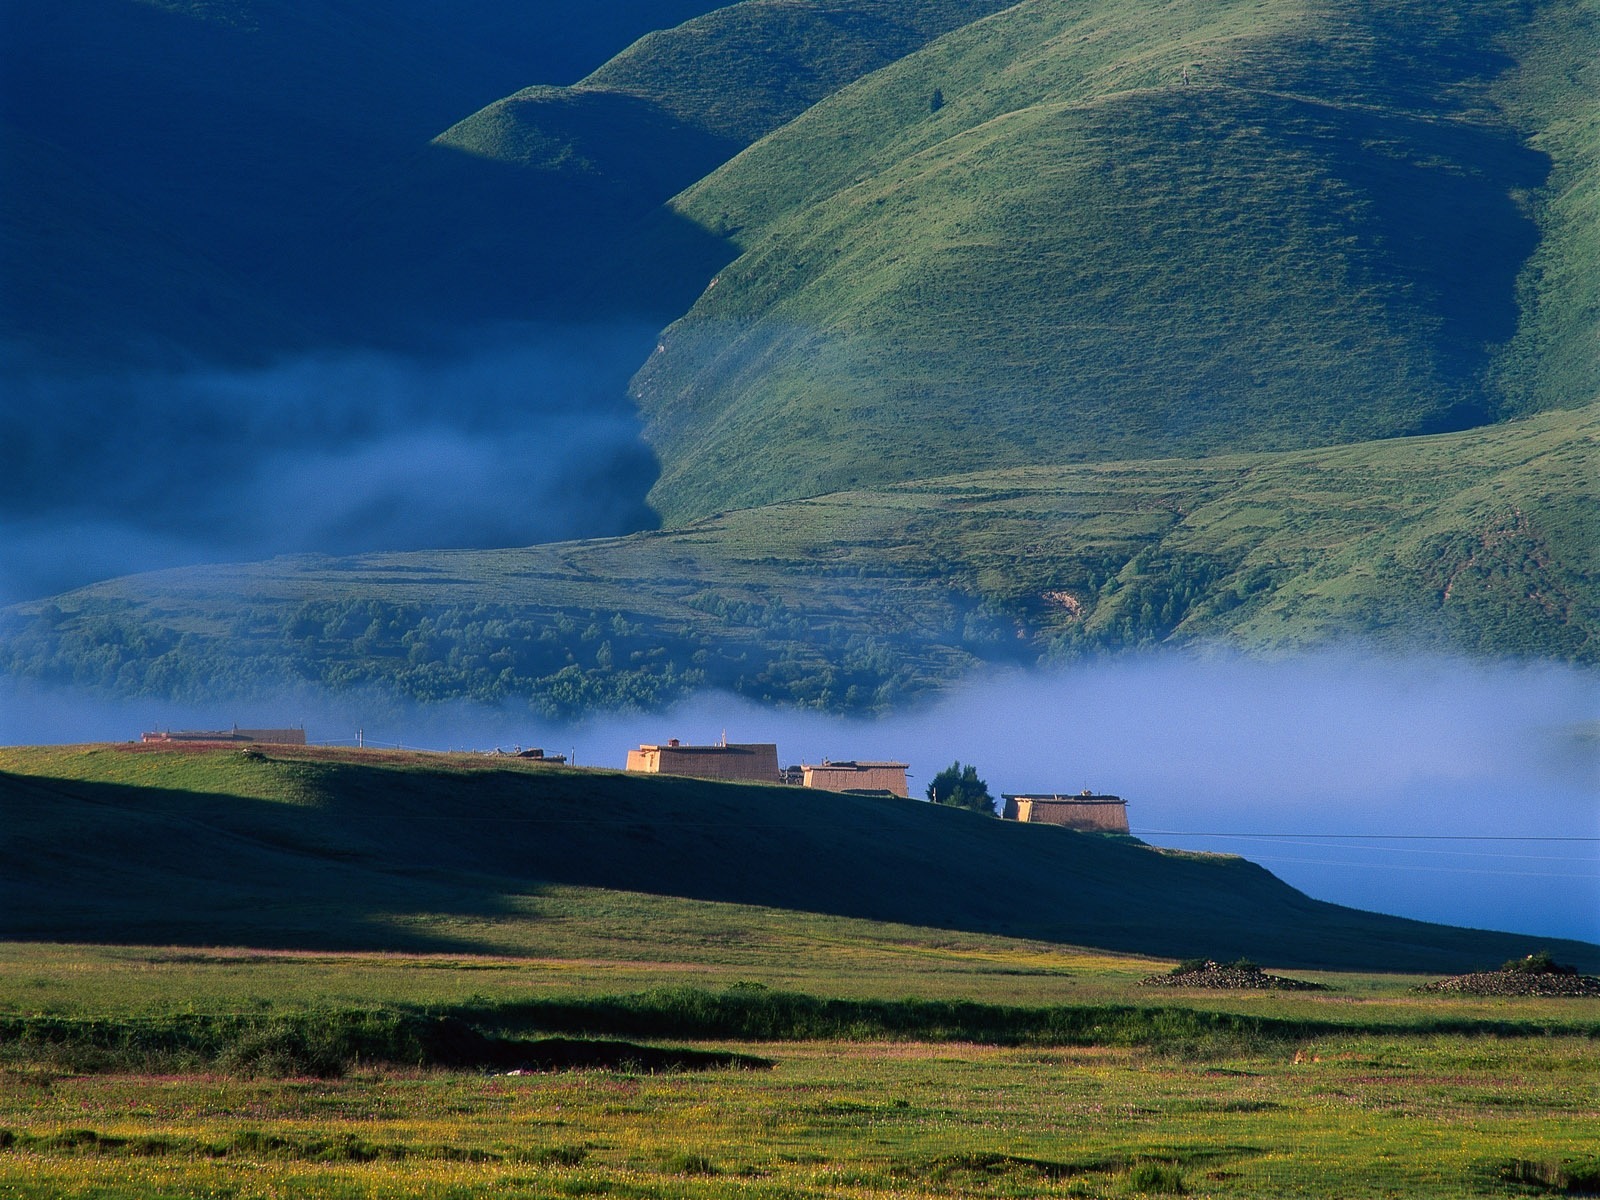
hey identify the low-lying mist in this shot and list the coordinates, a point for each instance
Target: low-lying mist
(526, 436)
(1448, 790)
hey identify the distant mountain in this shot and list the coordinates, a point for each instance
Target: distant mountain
(181, 175)
(276, 237)
(411, 853)
(584, 163)
(1095, 231)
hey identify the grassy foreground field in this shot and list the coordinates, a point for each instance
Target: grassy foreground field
(1349, 1092)
(859, 1057)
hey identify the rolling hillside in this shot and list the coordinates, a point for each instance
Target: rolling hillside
(273, 161)
(1062, 234)
(355, 850)
(1480, 541)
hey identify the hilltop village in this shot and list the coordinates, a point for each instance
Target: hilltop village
(753, 762)
(757, 762)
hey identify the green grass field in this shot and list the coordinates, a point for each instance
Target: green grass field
(463, 854)
(1364, 1098)
(233, 1052)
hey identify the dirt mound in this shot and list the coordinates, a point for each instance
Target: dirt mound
(1238, 976)
(1516, 983)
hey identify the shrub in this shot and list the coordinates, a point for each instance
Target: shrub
(1537, 964)
(687, 1162)
(552, 1156)
(1161, 1178)
(1569, 1177)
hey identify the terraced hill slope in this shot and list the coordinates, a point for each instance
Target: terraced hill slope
(1065, 234)
(275, 847)
(1481, 541)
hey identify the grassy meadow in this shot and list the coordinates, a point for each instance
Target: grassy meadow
(1360, 1107)
(378, 1046)
(308, 848)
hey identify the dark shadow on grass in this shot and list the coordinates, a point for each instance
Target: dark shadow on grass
(373, 845)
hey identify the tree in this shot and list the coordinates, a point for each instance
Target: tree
(960, 787)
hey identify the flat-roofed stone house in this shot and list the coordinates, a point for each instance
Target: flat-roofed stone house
(1086, 811)
(857, 776)
(740, 762)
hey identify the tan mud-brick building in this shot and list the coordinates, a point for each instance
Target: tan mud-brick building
(1085, 812)
(887, 777)
(751, 762)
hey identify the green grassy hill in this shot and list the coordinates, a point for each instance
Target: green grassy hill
(1481, 541)
(986, 296)
(358, 850)
(1064, 234)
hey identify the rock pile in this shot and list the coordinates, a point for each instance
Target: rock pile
(1239, 976)
(1536, 975)
(1516, 983)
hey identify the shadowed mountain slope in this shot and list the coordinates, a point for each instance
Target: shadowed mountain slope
(1480, 541)
(675, 105)
(1061, 234)
(220, 215)
(233, 135)
(274, 160)
(279, 848)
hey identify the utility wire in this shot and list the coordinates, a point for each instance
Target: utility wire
(1376, 837)
(1409, 867)
(1381, 849)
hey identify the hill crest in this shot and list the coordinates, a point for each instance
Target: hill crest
(269, 847)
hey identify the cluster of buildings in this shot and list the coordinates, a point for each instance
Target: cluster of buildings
(757, 762)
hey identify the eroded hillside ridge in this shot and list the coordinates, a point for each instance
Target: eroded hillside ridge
(1059, 234)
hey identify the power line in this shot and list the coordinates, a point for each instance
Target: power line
(1411, 867)
(1324, 842)
(1375, 837)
